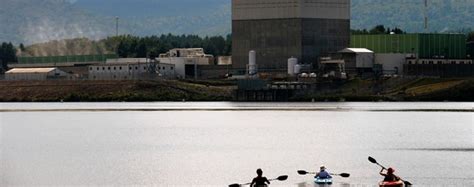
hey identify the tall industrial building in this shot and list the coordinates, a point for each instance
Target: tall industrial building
(280, 29)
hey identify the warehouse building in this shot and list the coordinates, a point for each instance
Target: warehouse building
(186, 61)
(470, 49)
(76, 65)
(392, 51)
(38, 74)
(131, 69)
(277, 30)
(358, 60)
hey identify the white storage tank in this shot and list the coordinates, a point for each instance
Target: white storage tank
(298, 68)
(252, 63)
(292, 62)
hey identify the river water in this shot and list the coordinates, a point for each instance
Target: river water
(217, 144)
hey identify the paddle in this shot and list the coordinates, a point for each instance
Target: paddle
(375, 162)
(280, 178)
(303, 172)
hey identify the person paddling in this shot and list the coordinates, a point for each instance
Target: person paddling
(259, 181)
(323, 174)
(389, 176)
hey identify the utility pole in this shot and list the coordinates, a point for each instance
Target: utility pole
(116, 25)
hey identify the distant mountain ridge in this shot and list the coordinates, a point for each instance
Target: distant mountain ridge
(33, 21)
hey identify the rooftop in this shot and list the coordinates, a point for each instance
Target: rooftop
(355, 50)
(31, 70)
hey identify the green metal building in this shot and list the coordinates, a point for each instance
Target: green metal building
(65, 59)
(470, 49)
(452, 46)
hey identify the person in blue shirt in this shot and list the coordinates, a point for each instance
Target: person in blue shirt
(323, 174)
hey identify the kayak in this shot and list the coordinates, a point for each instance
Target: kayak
(318, 180)
(391, 184)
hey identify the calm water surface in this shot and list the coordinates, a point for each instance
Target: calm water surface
(216, 144)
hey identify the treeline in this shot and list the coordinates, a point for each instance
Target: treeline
(379, 29)
(128, 46)
(7, 54)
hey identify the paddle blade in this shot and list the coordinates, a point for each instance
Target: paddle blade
(372, 160)
(282, 178)
(302, 172)
(345, 175)
(234, 185)
(407, 183)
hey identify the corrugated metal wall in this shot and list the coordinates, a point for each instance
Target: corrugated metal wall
(470, 49)
(65, 59)
(425, 45)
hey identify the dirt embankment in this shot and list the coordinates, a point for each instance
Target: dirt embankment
(393, 89)
(53, 91)
(396, 89)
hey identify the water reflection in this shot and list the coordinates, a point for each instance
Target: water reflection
(117, 147)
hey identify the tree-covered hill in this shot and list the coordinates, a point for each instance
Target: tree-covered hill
(444, 15)
(33, 21)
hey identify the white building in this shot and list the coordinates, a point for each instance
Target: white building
(186, 60)
(392, 63)
(36, 74)
(130, 69)
(358, 59)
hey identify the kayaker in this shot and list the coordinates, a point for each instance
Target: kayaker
(323, 174)
(259, 181)
(389, 176)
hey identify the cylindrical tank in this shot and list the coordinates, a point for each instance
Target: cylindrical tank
(252, 62)
(292, 62)
(298, 68)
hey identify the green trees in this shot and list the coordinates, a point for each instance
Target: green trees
(7, 54)
(151, 46)
(379, 29)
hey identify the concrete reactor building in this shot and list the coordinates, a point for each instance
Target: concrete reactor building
(280, 29)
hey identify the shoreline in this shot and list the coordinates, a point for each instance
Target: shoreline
(391, 90)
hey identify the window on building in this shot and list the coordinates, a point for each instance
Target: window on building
(462, 62)
(90, 68)
(439, 62)
(109, 68)
(115, 68)
(431, 62)
(136, 67)
(453, 62)
(103, 68)
(120, 68)
(164, 68)
(144, 68)
(97, 68)
(171, 68)
(130, 68)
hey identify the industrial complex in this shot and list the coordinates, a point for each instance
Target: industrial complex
(290, 39)
(278, 30)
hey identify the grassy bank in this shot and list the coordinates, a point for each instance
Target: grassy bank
(393, 89)
(104, 91)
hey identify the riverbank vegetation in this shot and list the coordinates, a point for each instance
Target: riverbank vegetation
(392, 89)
